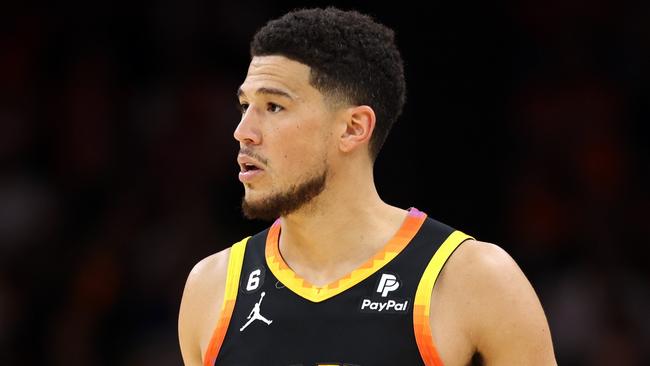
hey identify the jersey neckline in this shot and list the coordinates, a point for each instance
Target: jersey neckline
(301, 287)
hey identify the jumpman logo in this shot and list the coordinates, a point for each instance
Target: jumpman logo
(255, 314)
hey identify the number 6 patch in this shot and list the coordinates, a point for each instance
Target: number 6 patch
(253, 280)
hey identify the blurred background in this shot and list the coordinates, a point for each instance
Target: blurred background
(526, 126)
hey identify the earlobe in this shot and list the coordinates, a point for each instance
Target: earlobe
(360, 123)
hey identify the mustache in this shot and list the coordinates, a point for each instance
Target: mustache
(250, 153)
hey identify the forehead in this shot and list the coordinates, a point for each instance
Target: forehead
(278, 72)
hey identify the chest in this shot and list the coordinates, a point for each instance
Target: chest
(376, 315)
(370, 323)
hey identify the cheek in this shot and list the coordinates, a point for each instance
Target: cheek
(302, 155)
(299, 148)
(298, 156)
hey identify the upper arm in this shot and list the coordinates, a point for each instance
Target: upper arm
(498, 308)
(200, 306)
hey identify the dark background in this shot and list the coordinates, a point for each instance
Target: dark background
(526, 126)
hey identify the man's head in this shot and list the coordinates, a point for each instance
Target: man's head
(322, 83)
(353, 60)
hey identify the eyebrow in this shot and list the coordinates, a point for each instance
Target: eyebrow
(267, 91)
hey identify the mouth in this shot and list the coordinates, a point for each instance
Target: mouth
(250, 169)
(247, 163)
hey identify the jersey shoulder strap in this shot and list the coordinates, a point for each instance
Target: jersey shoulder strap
(422, 306)
(235, 262)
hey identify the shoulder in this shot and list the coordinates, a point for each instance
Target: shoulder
(496, 305)
(476, 277)
(485, 276)
(200, 305)
(481, 262)
(207, 273)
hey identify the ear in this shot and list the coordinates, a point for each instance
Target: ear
(360, 122)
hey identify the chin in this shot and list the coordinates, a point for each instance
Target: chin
(270, 204)
(252, 195)
(256, 199)
(252, 201)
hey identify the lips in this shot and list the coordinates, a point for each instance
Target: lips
(250, 168)
(247, 167)
(247, 163)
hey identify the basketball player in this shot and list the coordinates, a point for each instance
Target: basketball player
(342, 278)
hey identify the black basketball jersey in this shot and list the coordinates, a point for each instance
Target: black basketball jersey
(376, 315)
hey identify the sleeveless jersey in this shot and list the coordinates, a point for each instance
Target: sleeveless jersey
(376, 315)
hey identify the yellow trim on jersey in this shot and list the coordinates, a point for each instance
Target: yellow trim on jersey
(303, 288)
(235, 262)
(422, 305)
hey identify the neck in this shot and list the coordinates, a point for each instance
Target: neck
(338, 231)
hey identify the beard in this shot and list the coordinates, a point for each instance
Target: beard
(284, 203)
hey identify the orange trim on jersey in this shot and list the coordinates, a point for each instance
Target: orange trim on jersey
(303, 288)
(235, 262)
(422, 305)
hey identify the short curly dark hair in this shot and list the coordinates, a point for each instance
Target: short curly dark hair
(352, 59)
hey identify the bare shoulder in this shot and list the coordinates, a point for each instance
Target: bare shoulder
(478, 271)
(482, 262)
(209, 269)
(200, 305)
(496, 306)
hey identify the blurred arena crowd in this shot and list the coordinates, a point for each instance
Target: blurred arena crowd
(526, 125)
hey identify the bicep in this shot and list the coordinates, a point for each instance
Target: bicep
(187, 323)
(511, 328)
(199, 306)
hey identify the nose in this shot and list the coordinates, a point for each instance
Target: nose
(247, 131)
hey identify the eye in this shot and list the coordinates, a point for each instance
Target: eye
(242, 107)
(274, 108)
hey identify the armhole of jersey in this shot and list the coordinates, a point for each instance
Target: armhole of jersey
(235, 262)
(422, 306)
